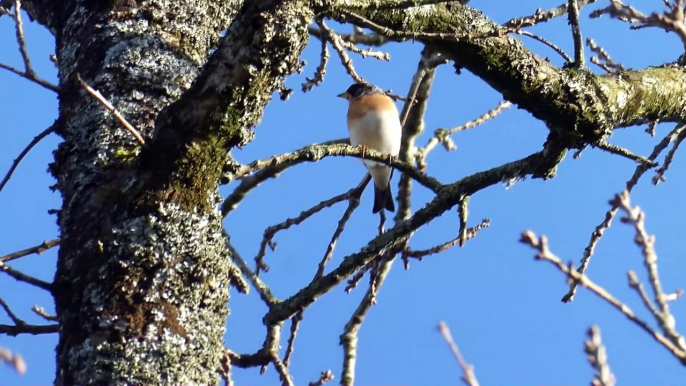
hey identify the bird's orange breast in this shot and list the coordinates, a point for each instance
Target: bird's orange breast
(359, 107)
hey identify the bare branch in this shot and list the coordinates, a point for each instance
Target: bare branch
(546, 42)
(353, 197)
(38, 249)
(25, 278)
(100, 98)
(459, 240)
(21, 327)
(337, 44)
(40, 311)
(349, 337)
(23, 154)
(318, 77)
(443, 135)
(660, 172)
(357, 37)
(28, 72)
(620, 151)
(543, 16)
(468, 377)
(671, 21)
(263, 170)
(573, 14)
(597, 356)
(14, 360)
(295, 325)
(257, 283)
(324, 377)
(270, 232)
(544, 253)
(636, 217)
(610, 214)
(603, 59)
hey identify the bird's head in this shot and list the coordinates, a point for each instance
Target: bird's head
(359, 89)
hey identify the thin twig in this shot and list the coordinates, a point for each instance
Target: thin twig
(319, 73)
(597, 357)
(618, 150)
(670, 21)
(24, 152)
(546, 42)
(469, 233)
(573, 14)
(442, 135)
(349, 337)
(40, 311)
(544, 253)
(100, 98)
(270, 232)
(324, 377)
(337, 44)
(38, 249)
(603, 60)
(610, 214)
(14, 360)
(258, 284)
(13, 317)
(25, 278)
(353, 197)
(295, 325)
(660, 172)
(35, 79)
(468, 377)
(636, 217)
(543, 16)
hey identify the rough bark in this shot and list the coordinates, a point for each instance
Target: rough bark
(142, 281)
(580, 106)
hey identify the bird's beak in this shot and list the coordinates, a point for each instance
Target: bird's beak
(345, 95)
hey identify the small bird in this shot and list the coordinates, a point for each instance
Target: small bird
(374, 122)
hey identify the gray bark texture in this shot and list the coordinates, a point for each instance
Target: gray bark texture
(142, 283)
(143, 276)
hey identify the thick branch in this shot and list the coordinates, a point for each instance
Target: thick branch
(553, 95)
(394, 239)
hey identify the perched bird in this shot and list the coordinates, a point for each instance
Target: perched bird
(373, 122)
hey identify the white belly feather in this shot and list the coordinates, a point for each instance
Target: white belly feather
(380, 131)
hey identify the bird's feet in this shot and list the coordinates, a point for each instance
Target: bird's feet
(364, 150)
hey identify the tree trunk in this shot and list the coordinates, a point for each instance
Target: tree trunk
(143, 276)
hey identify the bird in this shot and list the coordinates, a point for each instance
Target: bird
(374, 123)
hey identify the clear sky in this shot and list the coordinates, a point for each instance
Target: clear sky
(503, 307)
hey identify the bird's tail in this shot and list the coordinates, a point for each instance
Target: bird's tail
(383, 199)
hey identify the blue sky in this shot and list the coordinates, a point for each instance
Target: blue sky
(502, 307)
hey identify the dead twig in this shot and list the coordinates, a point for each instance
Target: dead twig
(442, 135)
(610, 214)
(468, 377)
(603, 59)
(660, 172)
(597, 357)
(469, 233)
(14, 360)
(319, 73)
(544, 254)
(573, 17)
(38, 249)
(28, 72)
(543, 16)
(24, 152)
(353, 197)
(100, 98)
